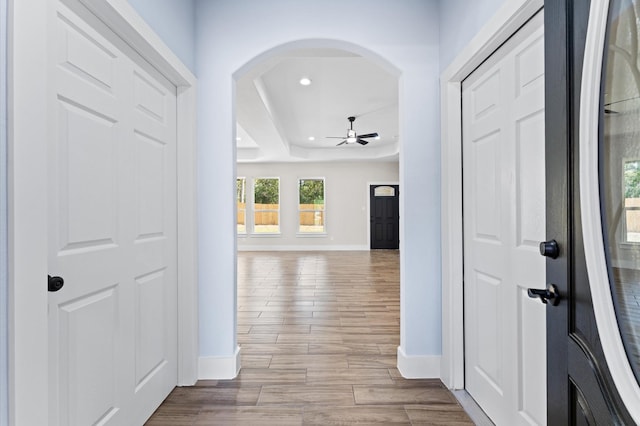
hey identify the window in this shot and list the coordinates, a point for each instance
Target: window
(311, 206)
(241, 202)
(266, 205)
(632, 201)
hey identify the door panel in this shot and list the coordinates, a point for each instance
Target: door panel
(88, 341)
(486, 196)
(530, 160)
(112, 193)
(488, 344)
(503, 152)
(150, 325)
(88, 183)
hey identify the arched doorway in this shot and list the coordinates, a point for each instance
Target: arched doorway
(223, 57)
(281, 147)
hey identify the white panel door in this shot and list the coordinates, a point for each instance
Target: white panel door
(504, 221)
(112, 231)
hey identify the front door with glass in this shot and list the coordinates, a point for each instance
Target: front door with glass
(593, 191)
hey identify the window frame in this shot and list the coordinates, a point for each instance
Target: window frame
(299, 232)
(254, 210)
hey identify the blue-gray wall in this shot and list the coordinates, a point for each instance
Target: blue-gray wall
(174, 22)
(4, 415)
(460, 21)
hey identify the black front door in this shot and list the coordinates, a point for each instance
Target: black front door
(385, 216)
(581, 388)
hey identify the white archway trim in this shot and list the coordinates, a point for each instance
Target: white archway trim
(612, 345)
(503, 25)
(30, 91)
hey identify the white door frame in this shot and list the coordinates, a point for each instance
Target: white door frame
(30, 91)
(503, 25)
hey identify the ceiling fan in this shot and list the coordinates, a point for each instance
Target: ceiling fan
(352, 136)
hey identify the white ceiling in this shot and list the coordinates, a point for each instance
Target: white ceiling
(276, 115)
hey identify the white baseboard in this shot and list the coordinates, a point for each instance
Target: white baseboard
(418, 366)
(219, 368)
(302, 248)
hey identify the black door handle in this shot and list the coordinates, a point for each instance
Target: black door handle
(55, 283)
(550, 249)
(546, 295)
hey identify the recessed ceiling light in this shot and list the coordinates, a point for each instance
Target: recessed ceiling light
(238, 138)
(305, 81)
(311, 138)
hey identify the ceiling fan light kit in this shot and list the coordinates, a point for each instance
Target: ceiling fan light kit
(352, 136)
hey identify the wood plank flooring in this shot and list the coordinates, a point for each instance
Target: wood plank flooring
(318, 332)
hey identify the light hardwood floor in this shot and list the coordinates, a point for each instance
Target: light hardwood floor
(318, 332)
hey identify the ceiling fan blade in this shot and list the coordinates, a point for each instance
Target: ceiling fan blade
(342, 143)
(334, 137)
(362, 141)
(368, 135)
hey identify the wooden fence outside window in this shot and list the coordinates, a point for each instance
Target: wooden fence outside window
(267, 214)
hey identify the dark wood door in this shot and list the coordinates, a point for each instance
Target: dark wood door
(581, 390)
(385, 216)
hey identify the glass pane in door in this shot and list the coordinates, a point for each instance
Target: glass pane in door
(619, 168)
